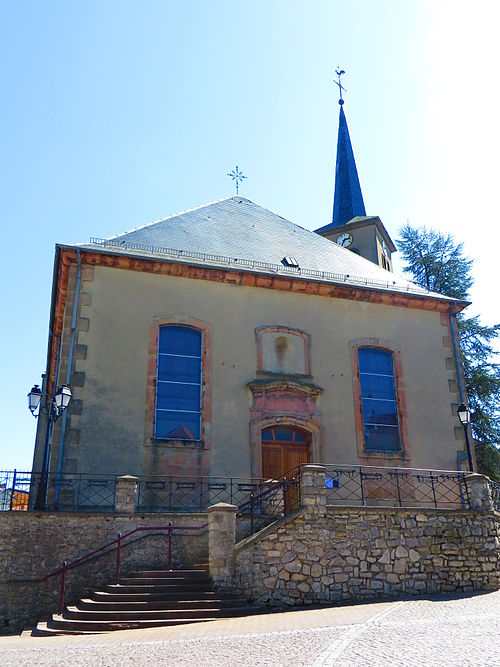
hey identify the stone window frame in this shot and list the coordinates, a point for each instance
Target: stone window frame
(374, 457)
(284, 330)
(206, 382)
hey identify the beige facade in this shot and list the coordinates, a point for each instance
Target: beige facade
(249, 331)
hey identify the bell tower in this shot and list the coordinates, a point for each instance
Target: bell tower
(350, 227)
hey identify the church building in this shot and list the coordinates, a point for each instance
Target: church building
(226, 340)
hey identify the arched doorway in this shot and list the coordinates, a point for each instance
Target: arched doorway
(283, 448)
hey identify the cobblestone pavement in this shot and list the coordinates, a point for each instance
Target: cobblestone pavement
(435, 631)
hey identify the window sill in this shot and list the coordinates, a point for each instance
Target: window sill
(369, 457)
(176, 444)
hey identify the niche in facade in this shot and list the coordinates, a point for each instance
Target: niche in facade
(282, 350)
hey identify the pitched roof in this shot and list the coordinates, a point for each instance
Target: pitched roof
(236, 232)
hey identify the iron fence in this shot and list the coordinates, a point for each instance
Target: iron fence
(495, 494)
(373, 486)
(192, 494)
(65, 492)
(272, 500)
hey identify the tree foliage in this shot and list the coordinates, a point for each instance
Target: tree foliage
(435, 261)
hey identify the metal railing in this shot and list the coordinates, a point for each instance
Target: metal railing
(495, 494)
(262, 266)
(109, 547)
(373, 486)
(64, 492)
(192, 494)
(271, 501)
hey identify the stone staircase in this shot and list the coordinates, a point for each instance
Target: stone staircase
(147, 599)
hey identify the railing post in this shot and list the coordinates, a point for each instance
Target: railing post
(126, 494)
(63, 586)
(118, 558)
(399, 490)
(362, 488)
(284, 489)
(11, 501)
(433, 489)
(313, 488)
(252, 506)
(170, 530)
(480, 493)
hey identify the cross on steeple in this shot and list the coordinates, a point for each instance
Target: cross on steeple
(339, 73)
(237, 176)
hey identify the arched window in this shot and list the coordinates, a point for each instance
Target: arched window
(379, 400)
(178, 383)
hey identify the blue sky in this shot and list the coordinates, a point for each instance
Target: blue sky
(117, 113)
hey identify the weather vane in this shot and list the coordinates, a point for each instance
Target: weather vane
(339, 73)
(237, 176)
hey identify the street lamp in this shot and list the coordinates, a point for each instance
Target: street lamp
(56, 405)
(463, 413)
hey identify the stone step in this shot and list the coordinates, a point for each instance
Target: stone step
(146, 599)
(166, 581)
(58, 622)
(164, 574)
(75, 613)
(130, 605)
(158, 588)
(122, 596)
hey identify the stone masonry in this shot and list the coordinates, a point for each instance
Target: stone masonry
(32, 544)
(326, 554)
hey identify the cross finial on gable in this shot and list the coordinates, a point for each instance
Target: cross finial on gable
(237, 176)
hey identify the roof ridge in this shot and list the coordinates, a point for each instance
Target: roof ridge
(174, 215)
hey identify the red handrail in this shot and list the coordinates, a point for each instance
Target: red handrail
(118, 542)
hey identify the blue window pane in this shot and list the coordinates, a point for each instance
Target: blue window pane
(300, 437)
(179, 369)
(177, 425)
(377, 386)
(382, 438)
(283, 434)
(373, 360)
(380, 412)
(378, 394)
(180, 340)
(267, 435)
(178, 396)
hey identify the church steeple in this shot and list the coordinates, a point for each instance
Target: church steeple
(348, 200)
(350, 227)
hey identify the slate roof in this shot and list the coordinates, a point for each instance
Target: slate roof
(237, 233)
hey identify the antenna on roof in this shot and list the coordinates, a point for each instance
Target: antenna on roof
(339, 73)
(237, 176)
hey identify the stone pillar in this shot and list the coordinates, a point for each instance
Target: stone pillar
(479, 493)
(126, 494)
(312, 488)
(221, 541)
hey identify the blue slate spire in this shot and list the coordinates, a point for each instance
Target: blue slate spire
(348, 200)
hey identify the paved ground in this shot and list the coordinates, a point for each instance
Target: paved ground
(436, 631)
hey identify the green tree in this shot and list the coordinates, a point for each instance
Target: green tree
(435, 261)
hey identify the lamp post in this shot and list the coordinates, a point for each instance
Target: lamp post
(463, 413)
(55, 406)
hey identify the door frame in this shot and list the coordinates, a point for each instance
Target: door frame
(283, 444)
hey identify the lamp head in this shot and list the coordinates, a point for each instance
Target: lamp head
(34, 398)
(463, 413)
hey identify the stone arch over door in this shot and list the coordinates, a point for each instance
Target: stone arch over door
(310, 424)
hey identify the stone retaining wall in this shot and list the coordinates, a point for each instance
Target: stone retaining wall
(34, 543)
(326, 554)
(364, 554)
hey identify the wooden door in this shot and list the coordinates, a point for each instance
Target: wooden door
(283, 448)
